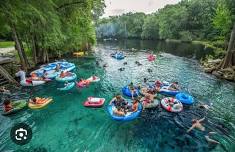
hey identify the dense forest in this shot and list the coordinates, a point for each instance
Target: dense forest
(48, 27)
(188, 20)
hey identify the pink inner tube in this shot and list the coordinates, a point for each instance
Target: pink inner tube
(90, 103)
(82, 84)
(151, 57)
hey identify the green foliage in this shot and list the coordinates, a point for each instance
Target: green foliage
(6, 44)
(172, 19)
(128, 25)
(150, 27)
(189, 20)
(222, 20)
(51, 25)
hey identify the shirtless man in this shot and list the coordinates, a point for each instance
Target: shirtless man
(197, 124)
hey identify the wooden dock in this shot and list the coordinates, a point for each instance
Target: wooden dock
(5, 77)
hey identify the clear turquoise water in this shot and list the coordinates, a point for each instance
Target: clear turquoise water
(65, 125)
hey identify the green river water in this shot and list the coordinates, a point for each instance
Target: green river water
(66, 125)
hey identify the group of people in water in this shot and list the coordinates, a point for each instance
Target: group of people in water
(123, 106)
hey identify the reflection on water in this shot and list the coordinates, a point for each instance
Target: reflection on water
(65, 125)
(196, 51)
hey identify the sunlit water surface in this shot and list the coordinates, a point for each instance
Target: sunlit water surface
(65, 125)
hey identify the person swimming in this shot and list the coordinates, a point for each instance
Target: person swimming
(121, 69)
(105, 65)
(150, 70)
(197, 125)
(125, 63)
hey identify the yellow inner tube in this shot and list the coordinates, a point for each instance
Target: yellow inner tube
(79, 53)
(39, 106)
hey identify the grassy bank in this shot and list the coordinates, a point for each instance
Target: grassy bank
(6, 44)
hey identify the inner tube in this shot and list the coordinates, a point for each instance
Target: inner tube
(118, 56)
(151, 57)
(93, 79)
(78, 53)
(149, 104)
(94, 102)
(165, 91)
(68, 87)
(52, 74)
(31, 83)
(39, 106)
(17, 106)
(184, 98)
(127, 92)
(82, 83)
(128, 117)
(177, 107)
(72, 77)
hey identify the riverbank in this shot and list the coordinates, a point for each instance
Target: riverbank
(211, 66)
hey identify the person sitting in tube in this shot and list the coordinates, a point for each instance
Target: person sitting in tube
(65, 74)
(7, 106)
(118, 101)
(37, 100)
(175, 105)
(134, 106)
(119, 111)
(174, 86)
(57, 69)
(158, 85)
(35, 77)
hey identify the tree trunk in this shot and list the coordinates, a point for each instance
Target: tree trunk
(45, 56)
(18, 47)
(24, 55)
(229, 59)
(34, 50)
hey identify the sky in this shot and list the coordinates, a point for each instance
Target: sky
(118, 7)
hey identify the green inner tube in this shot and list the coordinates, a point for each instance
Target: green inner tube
(17, 106)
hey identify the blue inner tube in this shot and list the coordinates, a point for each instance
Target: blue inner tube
(124, 118)
(68, 68)
(127, 92)
(118, 56)
(165, 91)
(68, 78)
(68, 87)
(184, 98)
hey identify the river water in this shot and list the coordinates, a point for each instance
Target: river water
(65, 125)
